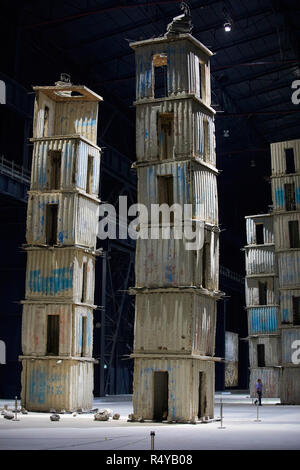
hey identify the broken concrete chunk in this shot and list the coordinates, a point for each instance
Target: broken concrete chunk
(101, 417)
(116, 416)
(8, 415)
(55, 417)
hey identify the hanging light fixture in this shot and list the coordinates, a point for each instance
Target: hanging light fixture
(227, 26)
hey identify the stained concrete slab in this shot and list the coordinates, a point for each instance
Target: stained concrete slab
(279, 428)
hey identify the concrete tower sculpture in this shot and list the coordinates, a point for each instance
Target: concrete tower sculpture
(285, 181)
(176, 288)
(262, 302)
(273, 281)
(57, 324)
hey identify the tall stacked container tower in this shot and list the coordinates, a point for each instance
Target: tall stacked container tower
(57, 325)
(286, 201)
(176, 289)
(262, 303)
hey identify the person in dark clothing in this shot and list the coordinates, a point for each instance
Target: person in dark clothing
(259, 388)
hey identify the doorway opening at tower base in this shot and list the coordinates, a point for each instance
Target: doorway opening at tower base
(202, 402)
(160, 395)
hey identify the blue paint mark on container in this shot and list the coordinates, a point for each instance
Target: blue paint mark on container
(59, 280)
(279, 196)
(297, 195)
(263, 320)
(285, 314)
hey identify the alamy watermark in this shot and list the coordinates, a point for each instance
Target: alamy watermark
(156, 222)
(296, 93)
(296, 353)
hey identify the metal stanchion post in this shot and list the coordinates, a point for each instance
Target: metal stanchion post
(221, 413)
(16, 410)
(152, 434)
(257, 412)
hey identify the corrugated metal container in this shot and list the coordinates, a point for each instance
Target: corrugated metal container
(74, 163)
(190, 320)
(270, 378)
(289, 268)
(77, 219)
(286, 304)
(192, 184)
(278, 191)
(262, 320)
(66, 117)
(281, 228)
(231, 358)
(252, 290)
(167, 263)
(268, 231)
(57, 273)
(290, 386)
(272, 350)
(288, 338)
(183, 387)
(34, 329)
(278, 156)
(188, 132)
(183, 67)
(64, 386)
(260, 260)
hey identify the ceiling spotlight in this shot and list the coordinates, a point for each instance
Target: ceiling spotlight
(252, 163)
(226, 132)
(227, 26)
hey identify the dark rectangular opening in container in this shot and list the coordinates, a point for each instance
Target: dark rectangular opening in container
(296, 311)
(165, 135)
(51, 224)
(262, 293)
(55, 169)
(83, 335)
(46, 122)
(160, 395)
(52, 335)
(90, 171)
(289, 195)
(201, 396)
(206, 138)
(84, 282)
(289, 161)
(160, 65)
(165, 194)
(261, 355)
(294, 234)
(259, 230)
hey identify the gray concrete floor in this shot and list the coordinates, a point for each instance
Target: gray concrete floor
(279, 428)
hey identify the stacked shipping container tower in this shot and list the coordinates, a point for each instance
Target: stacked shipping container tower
(176, 288)
(57, 324)
(273, 281)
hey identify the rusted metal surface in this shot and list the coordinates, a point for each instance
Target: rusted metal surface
(270, 377)
(58, 273)
(175, 317)
(192, 184)
(252, 290)
(260, 260)
(188, 132)
(57, 323)
(266, 220)
(231, 358)
(74, 155)
(290, 385)
(65, 385)
(272, 346)
(167, 263)
(288, 338)
(191, 321)
(278, 156)
(183, 392)
(76, 219)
